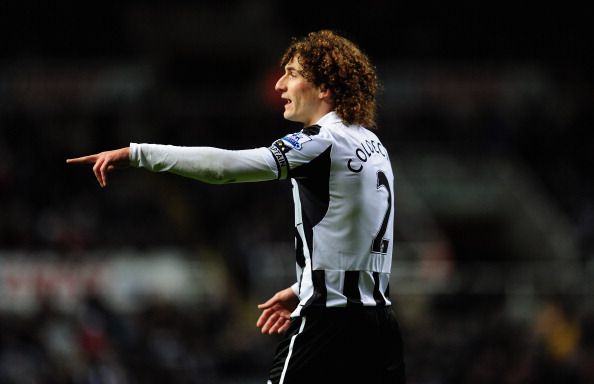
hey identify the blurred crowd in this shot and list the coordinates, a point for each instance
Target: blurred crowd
(463, 339)
(159, 344)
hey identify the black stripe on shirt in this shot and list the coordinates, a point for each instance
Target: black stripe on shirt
(313, 180)
(318, 299)
(377, 295)
(299, 255)
(351, 288)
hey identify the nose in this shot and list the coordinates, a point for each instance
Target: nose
(280, 84)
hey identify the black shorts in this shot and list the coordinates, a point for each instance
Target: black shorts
(341, 345)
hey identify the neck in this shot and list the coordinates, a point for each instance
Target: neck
(322, 111)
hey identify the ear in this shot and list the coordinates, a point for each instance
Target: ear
(325, 92)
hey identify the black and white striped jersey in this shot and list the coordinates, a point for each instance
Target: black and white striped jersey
(344, 203)
(344, 213)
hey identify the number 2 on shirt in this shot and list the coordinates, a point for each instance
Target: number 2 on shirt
(380, 244)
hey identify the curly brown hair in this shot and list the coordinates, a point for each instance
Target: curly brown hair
(334, 62)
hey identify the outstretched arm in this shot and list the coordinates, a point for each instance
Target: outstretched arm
(276, 312)
(206, 164)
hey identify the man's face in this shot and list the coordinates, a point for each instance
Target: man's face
(304, 99)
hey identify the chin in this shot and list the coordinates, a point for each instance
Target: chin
(292, 117)
(289, 116)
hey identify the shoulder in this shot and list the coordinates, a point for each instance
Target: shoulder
(303, 138)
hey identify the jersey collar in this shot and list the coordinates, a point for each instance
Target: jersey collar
(329, 118)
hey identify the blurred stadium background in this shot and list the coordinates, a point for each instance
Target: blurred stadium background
(488, 115)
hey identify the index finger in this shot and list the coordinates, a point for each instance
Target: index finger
(82, 160)
(269, 303)
(264, 317)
